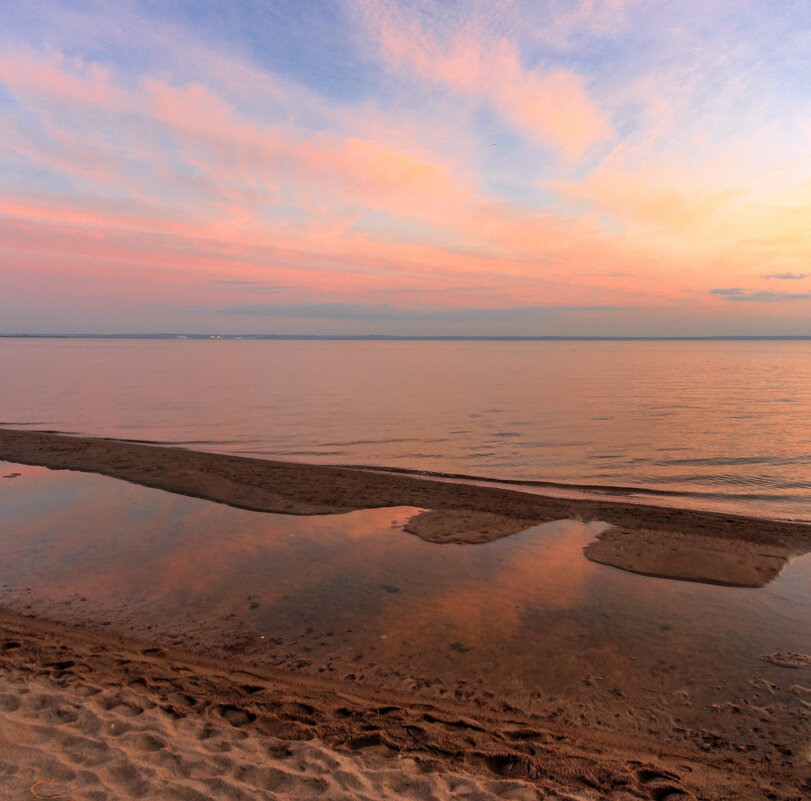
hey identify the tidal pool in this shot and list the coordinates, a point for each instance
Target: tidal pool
(353, 595)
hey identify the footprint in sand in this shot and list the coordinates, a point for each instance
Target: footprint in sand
(788, 659)
(148, 742)
(9, 703)
(661, 785)
(234, 715)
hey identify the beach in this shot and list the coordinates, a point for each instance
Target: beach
(405, 400)
(104, 717)
(110, 702)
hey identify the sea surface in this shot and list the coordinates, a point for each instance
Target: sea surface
(723, 425)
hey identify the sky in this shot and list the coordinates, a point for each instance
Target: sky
(553, 167)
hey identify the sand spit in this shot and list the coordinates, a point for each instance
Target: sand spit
(106, 718)
(291, 488)
(690, 557)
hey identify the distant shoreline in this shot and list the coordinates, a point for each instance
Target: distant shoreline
(409, 338)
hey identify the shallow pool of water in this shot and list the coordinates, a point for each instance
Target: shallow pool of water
(355, 595)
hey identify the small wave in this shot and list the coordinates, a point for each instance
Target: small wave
(298, 453)
(713, 479)
(350, 443)
(731, 461)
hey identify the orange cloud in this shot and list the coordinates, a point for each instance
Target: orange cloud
(726, 226)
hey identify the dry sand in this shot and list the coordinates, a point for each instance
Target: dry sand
(110, 718)
(291, 488)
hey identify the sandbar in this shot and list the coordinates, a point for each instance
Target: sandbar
(306, 489)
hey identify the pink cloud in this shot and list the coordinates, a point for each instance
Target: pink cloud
(553, 107)
(345, 170)
(185, 188)
(233, 161)
(57, 78)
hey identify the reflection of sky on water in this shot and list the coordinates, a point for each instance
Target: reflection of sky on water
(528, 609)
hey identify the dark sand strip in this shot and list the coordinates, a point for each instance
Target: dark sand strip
(462, 513)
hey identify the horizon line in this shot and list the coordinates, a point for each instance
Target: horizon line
(419, 338)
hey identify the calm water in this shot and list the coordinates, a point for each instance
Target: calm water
(720, 425)
(355, 594)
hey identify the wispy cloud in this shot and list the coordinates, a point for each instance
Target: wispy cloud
(358, 311)
(759, 295)
(786, 276)
(252, 287)
(553, 105)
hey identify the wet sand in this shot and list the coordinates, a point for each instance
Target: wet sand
(457, 510)
(105, 716)
(690, 557)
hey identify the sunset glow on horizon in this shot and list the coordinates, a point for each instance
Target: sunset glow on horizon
(593, 167)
